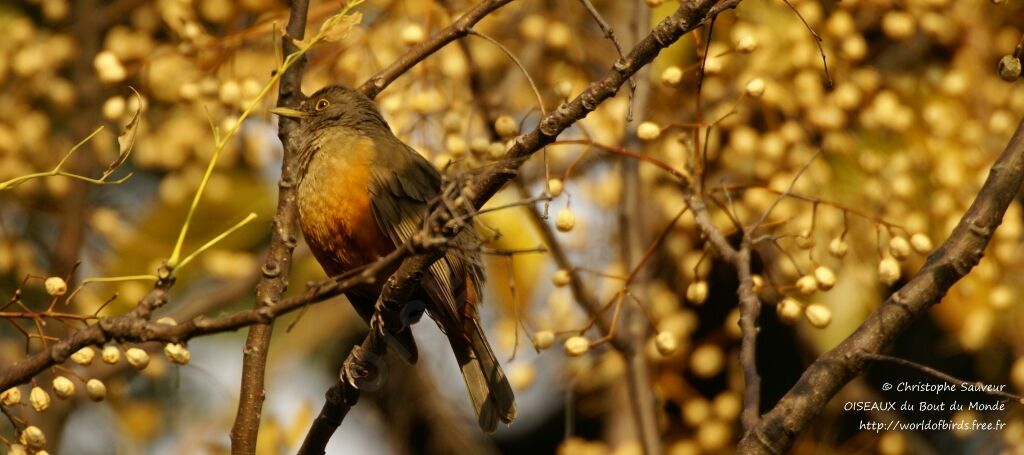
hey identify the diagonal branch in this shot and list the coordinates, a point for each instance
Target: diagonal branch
(946, 265)
(458, 29)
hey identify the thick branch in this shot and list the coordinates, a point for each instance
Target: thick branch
(946, 265)
(277, 265)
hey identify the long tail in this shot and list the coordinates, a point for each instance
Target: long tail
(489, 390)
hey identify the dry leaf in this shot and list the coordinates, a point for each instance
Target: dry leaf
(126, 140)
(337, 27)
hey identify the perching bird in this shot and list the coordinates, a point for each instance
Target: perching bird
(362, 193)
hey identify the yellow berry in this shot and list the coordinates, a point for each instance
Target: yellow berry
(55, 285)
(39, 399)
(33, 437)
(789, 310)
(521, 377)
(707, 360)
(755, 88)
(648, 131)
(921, 243)
(576, 346)
(543, 339)
(110, 354)
(496, 150)
(697, 292)
(825, 277)
(563, 89)
(746, 44)
(666, 343)
(63, 387)
(838, 247)
(672, 75)
(899, 247)
(758, 285)
(114, 107)
(898, 25)
(807, 285)
(555, 187)
(888, 271)
(96, 390)
(177, 353)
(137, 358)
(818, 315)
(83, 356)
(506, 127)
(11, 396)
(565, 220)
(1009, 68)
(561, 277)
(412, 34)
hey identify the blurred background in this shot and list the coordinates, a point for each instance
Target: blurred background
(915, 115)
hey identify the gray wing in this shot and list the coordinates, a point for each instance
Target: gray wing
(401, 190)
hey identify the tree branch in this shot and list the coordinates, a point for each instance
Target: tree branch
(277, 265)
(456, 30)
(946, 265)
(750, 311)
(135, 327)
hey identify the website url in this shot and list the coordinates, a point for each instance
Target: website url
(931, 425)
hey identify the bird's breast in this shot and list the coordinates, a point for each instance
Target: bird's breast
(335, 208)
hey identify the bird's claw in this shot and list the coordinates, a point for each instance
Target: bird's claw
(377, 322)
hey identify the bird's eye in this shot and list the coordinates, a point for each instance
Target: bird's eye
(322, 104)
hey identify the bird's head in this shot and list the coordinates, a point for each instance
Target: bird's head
(332, 106)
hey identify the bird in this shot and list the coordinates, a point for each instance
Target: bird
(362, 193)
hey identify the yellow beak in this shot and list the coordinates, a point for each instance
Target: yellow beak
(288, 112)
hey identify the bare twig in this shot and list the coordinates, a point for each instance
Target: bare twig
(609, 34)
(981, 387)
(511, 56)
(418, 53)
(817, 42)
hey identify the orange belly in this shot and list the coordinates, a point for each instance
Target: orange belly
(336, 215)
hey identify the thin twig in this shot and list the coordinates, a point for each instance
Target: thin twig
(511, 56)
(789, 189)
(817, 41)
(458, 29)
(977, 385)
(609, 34)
